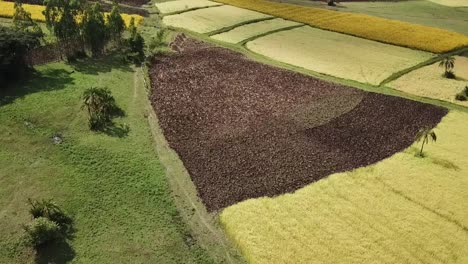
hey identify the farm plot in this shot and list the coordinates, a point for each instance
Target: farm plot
(453, 3)
(429, 82)
(404, 209)
(369, 27)
(245, 32)
(337, 54)
(213, 18)
(245, 129)
(183, 5)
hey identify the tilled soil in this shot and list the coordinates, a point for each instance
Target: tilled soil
(245, 129)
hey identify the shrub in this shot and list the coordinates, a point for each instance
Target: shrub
(101, 107)
(460, 97)
(465, 91)
(47, 209)
(41, 231)
(449, 75)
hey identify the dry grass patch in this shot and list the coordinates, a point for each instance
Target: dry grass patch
(429, 82)
(337, 54)
(242, 33)
(211, 19)
(182, 5)
(404, 209)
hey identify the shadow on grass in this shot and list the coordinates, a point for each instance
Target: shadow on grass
(45, 80)
(58, 251)
(116, 130)
(94, 66)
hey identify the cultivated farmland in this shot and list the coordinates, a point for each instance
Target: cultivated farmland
(245, 32)
(429, 82)
(451, 2)
(339, 55)
(267, 131)
(402, 210)
(183, 5)
(213, 18)
(364, 26)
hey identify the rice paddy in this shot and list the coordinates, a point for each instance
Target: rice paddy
(214, 18)
(183, 5)
(404, 209)
(336, 54)
(429, 82)
(245, 32)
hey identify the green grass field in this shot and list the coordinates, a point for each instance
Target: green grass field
(404, 209)
(112, 185)
(336, 54)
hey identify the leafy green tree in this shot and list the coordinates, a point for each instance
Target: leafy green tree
(22, 21)
(136, 42)
(61, 17)
(100, 105)
(115, 23)
(448, 63)
(14, 45)
(424, 135)
(94, 29)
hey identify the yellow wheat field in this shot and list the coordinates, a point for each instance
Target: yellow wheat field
(404, 209)
(360, 25)
(7, 10)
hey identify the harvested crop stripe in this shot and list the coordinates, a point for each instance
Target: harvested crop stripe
(429, 82)
(213, 18)
(242, 33)
(244, 129)
(404, 209)
(182, 5)
(454, 3)
(7, 9)
(369, 27)
(337, 54)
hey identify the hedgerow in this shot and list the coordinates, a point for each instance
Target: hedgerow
(374, 28)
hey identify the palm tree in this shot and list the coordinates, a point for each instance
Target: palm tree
(448, 63)
(100, 105)
(425, 134)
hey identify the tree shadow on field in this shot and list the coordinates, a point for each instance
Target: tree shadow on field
(94, 66)
(45, 80)
(59, 251)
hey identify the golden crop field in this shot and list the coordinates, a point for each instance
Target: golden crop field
(404, 209)
(7, 10)
(360, 25)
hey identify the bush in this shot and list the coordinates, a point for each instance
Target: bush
(465, 91)
(449, 75)
(41, 231)
(101, 107)
(460, 97)
(48, 209)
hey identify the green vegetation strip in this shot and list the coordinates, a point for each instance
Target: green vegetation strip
(248, 22)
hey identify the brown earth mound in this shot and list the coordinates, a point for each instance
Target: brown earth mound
(245, 129)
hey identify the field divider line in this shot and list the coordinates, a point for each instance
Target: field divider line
(269, 33)
(188, 10)
(229, 28)
(433, 60)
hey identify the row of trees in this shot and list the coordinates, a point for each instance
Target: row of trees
(76, 21)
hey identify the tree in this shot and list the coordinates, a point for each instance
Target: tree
(41, 231)
(22, 21)
(331, 3)
(136, 42)
(14, 45)
(100, 105)
(425, 134)
(115, 23)
(448, 63)
(61, 17)
(94, 29)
